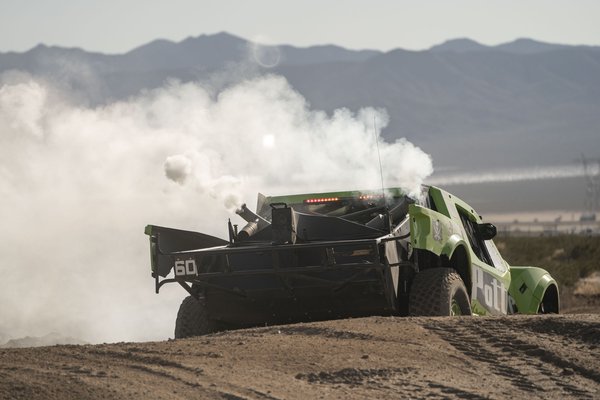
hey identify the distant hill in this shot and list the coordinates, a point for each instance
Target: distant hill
(459, 45)
(519, 46)
(3, 338)
(529, 46)
(473, 109)
(50, 339)
(469, 105)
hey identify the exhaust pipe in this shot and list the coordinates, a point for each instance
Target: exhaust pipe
(255, 224)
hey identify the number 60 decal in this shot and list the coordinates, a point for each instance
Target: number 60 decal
(185, 267)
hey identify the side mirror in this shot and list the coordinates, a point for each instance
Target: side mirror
(486, 231)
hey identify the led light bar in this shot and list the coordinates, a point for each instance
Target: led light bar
(370, 196)
(322, 200)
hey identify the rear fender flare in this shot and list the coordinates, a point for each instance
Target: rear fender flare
(441, 236)
(453, 243)
(456, 251)
(433, 231)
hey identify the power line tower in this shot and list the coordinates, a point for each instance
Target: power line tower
(591, 169)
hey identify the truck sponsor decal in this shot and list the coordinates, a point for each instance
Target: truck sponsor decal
(489, 291)
(437, 230)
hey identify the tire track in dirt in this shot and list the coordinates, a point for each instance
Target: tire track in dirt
(161, 365)
(403, 382)
(445, 391)
(518, 357)
(130, 375)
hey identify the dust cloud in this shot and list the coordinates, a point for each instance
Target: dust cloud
(78, 184)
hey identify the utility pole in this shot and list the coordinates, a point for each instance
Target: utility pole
(591, 170)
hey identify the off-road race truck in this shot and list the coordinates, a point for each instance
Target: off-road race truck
(345, 254)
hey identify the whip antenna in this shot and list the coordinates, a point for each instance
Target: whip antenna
(379, 157)
(387, 211)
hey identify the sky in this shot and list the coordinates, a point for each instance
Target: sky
(116, 26)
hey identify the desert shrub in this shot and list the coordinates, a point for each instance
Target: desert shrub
(568, 257)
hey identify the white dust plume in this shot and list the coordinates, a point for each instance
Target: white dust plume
(78, 185)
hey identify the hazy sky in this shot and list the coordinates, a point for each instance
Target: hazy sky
(116, 26)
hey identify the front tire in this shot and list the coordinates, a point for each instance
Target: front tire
(550, 303)
(192, 319)
(438, 292)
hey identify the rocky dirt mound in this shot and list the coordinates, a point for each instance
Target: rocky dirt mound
(549, 357)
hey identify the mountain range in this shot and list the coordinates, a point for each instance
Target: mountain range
(522, 103)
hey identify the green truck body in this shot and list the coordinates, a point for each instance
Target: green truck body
(345, 254)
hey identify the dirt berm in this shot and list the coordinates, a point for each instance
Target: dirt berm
(549, 357)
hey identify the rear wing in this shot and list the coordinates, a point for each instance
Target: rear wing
(165, 241)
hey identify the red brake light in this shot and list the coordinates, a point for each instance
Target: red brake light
(322, 200)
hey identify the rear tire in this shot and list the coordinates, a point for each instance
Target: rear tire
(192, 319)
(438, 292)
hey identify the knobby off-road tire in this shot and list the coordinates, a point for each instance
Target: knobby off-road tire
(438, 292)
(192, 319)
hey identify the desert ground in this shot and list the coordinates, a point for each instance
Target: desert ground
(546, 356)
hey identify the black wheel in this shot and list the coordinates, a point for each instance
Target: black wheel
(550, 303)
(438, 292)
(192, 319)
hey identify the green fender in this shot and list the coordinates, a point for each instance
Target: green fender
(435, 232)
(454, 242)
(528, 286)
